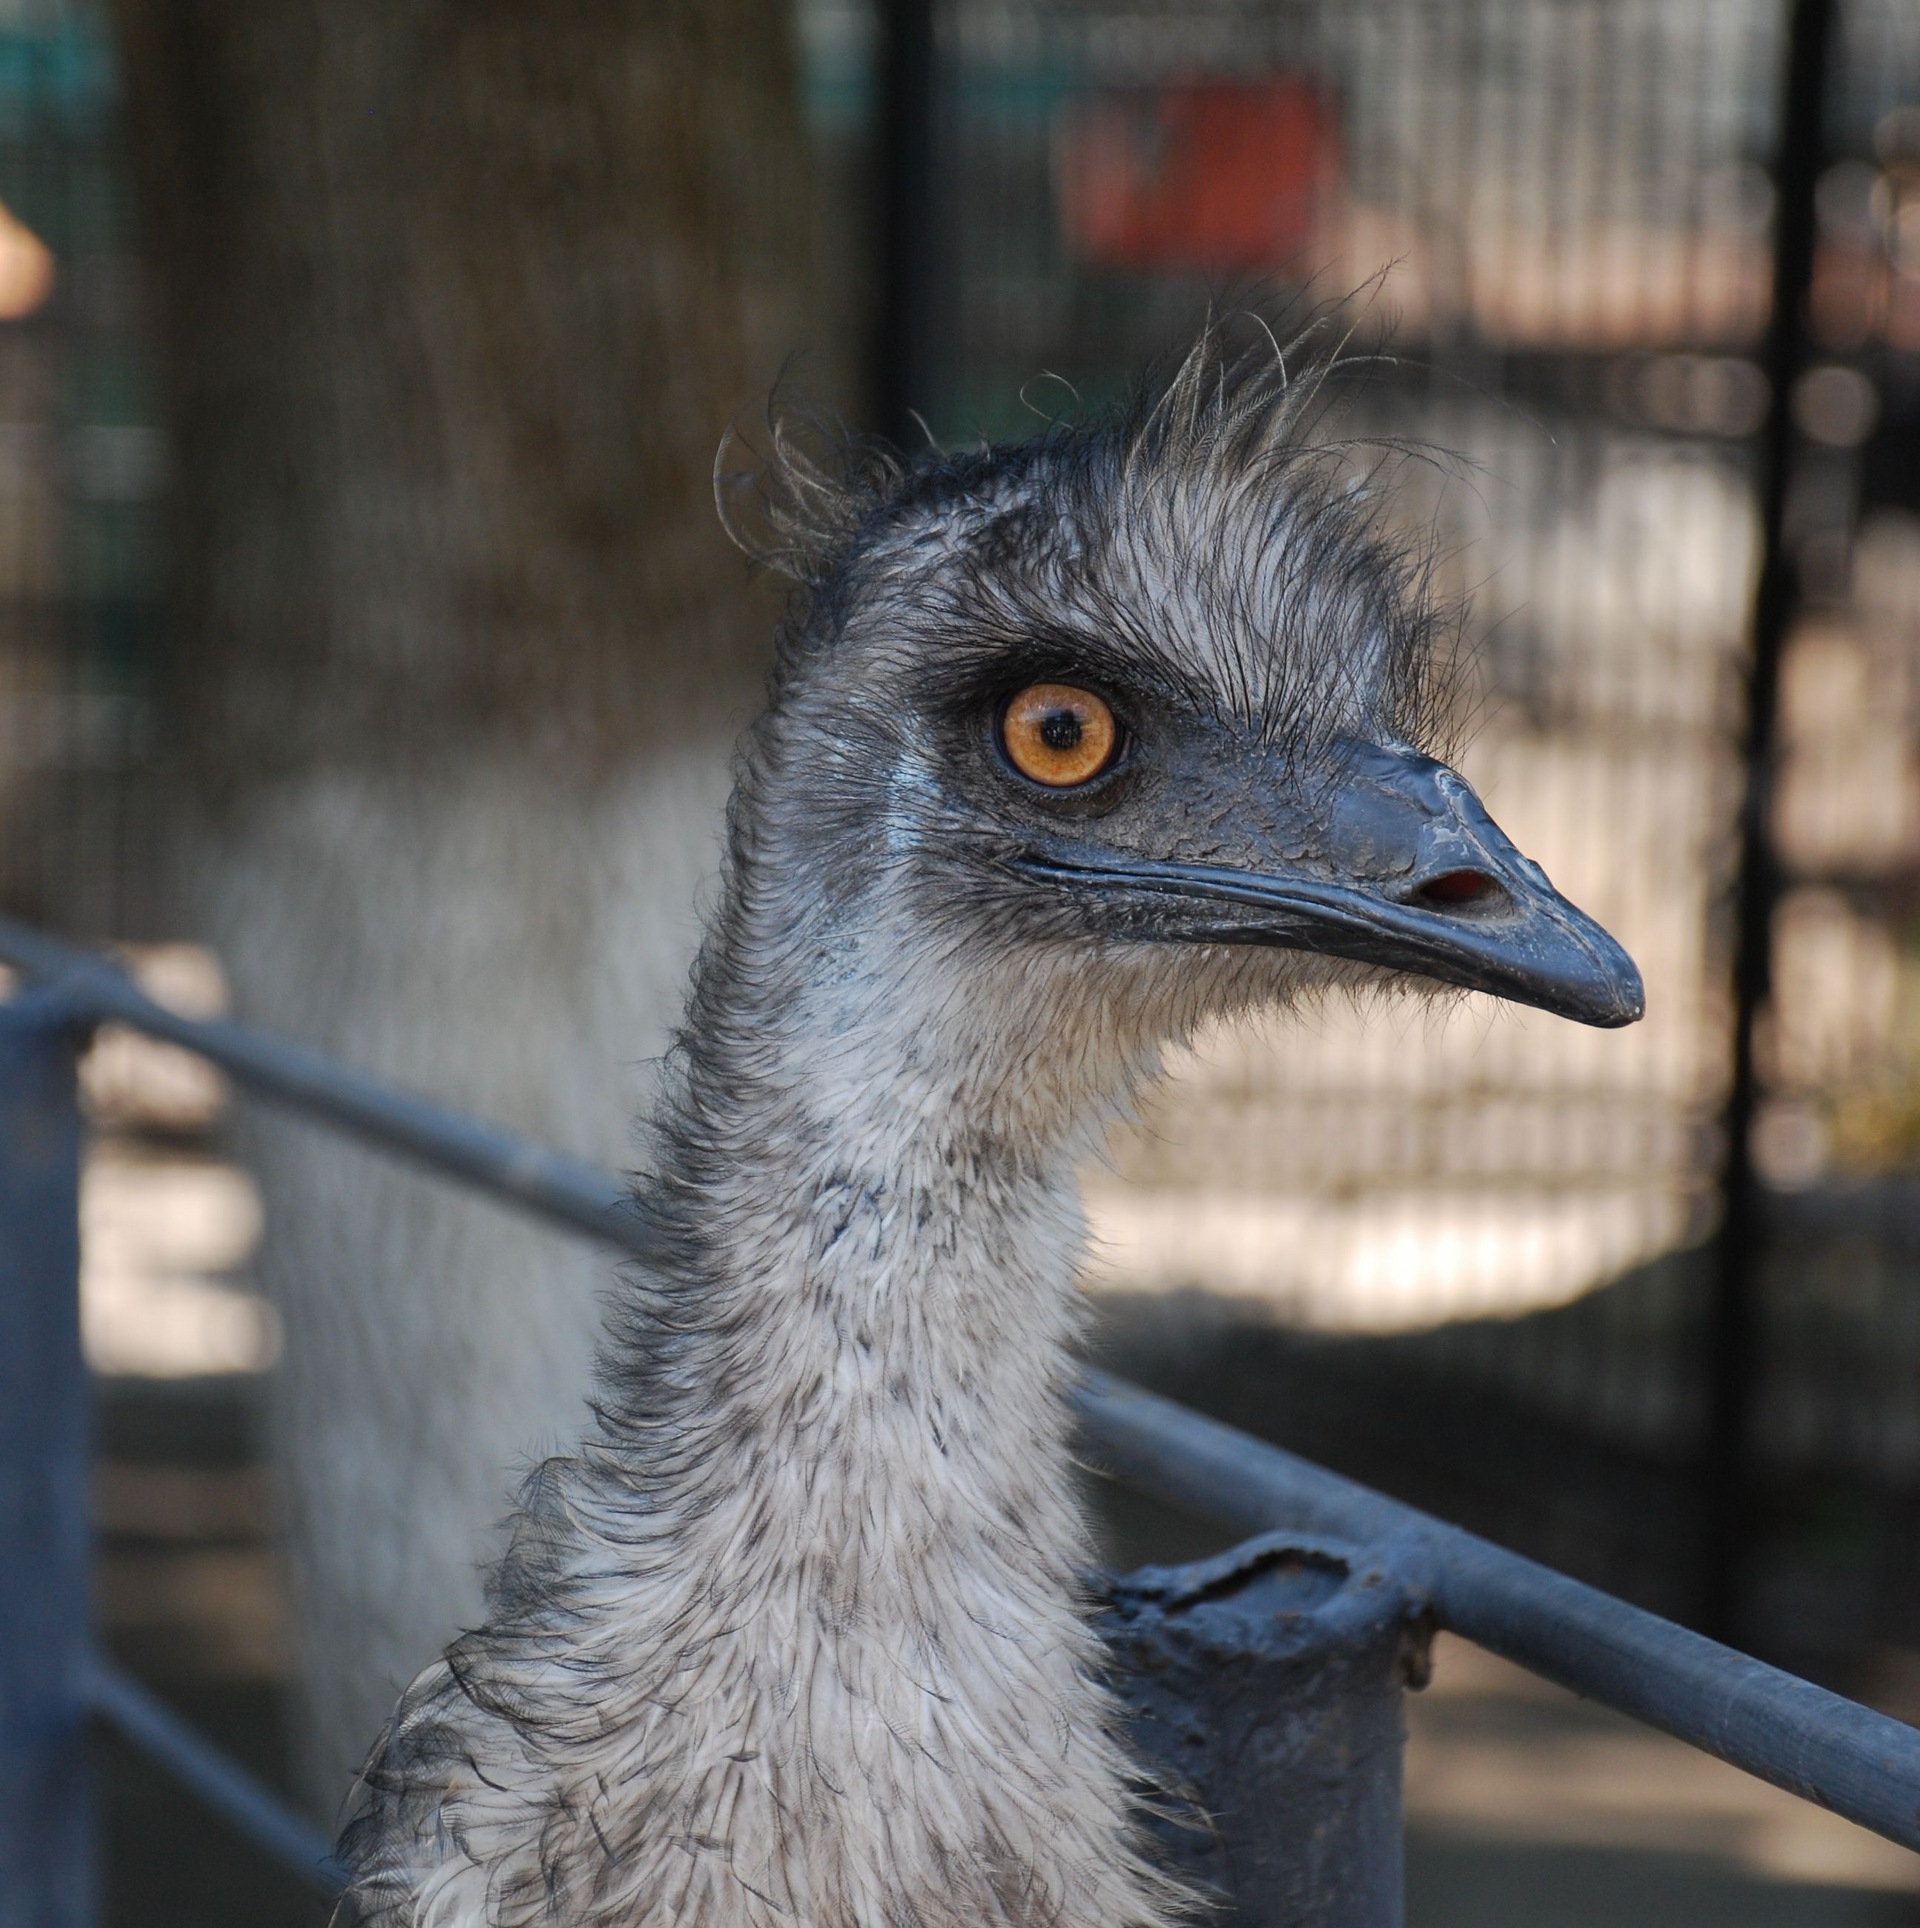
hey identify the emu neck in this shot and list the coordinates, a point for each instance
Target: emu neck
(820, 1569)
(879, 1176)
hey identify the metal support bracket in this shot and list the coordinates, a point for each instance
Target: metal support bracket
(46, 1817)
(1263, 1691)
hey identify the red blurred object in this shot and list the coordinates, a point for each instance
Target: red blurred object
(1198, 174)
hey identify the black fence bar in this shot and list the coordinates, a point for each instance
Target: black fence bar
(252, 1809)
(1787, 1731)
(1733, 1337)
(904, 216)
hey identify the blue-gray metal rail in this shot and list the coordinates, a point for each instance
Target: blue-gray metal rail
(1815, 1744)
(1786, 1730)
(153, 1727)
(500, 1163)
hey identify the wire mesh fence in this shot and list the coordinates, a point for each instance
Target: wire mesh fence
(81, 465)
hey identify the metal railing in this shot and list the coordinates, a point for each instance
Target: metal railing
(1818, 1745)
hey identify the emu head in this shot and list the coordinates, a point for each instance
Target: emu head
(1131, 725)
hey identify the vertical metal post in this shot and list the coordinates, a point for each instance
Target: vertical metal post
(905, 216)
(1263, 1689)
(46, 1822)
(1733, 1335)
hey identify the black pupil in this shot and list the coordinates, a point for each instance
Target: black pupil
(1060, 730)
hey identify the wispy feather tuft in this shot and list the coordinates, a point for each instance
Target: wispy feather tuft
(1216, 519)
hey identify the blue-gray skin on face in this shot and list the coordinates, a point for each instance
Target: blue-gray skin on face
(1399, 866)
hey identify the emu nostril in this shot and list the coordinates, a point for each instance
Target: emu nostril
(1456, 887)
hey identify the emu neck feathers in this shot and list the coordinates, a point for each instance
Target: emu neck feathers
(876, 1177)
(792, 1642)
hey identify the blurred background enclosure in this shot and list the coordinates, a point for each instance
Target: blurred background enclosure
(1646, 1304)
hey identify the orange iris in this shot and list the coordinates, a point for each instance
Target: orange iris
(1058, 735)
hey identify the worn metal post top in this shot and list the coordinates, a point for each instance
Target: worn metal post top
(1278, 1591)
(1263, 1689)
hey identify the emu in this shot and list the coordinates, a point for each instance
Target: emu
(1070, 746)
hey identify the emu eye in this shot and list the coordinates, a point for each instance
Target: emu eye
(1059, 736)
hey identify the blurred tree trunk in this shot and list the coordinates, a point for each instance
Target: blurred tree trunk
(456, 298)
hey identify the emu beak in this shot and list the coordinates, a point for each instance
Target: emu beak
(1400, 866)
